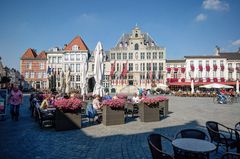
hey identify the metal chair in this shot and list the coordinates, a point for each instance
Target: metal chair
(192, 133)
(230, 155)
(220, 137)
(155, 144)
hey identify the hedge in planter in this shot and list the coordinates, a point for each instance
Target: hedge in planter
(68, 114)
(113, 112)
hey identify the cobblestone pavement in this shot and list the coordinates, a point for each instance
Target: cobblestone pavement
(24, 139)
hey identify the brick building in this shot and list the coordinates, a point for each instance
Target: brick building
(34, 70)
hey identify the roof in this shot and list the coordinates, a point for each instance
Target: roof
(175, 61)
(77, 41)
(42, 55)
(230, 55)
(199, 83)
(203, 57)
(29, 54)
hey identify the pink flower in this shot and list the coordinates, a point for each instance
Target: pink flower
(122, 96)
(68, 104)
(155, 100)
(114, 103)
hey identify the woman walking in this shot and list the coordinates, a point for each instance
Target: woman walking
(15, 100)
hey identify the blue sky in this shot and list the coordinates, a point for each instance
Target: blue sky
(187, 27)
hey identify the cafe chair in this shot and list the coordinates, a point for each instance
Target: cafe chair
(192, 133)
(224, 138)
(45, 118)
(230, 155)
(155, 144)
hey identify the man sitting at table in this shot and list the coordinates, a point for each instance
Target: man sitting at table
(45, 103)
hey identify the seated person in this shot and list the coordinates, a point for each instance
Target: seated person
(107, 96)
(135, 99)
(222, 98)
(97, 106)
(45, 103)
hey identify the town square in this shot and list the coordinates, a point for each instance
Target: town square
(101, 80)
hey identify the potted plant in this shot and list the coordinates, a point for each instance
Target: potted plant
(68, 114)
(149, 109)
(207, 68)
(200, 67)
(215, 67)
(113, 112)
(192, 67)
(168, 69)
(122, 96)
(182, 69)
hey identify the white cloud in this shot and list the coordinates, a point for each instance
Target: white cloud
(215, 5)
(236, 42)
(201, 17)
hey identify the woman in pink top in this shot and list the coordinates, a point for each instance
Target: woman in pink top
(15, 100)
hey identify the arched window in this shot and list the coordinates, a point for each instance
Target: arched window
(136, 35)
(136, 47)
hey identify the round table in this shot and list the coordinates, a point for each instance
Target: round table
(194, 145)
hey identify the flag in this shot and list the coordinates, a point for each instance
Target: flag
(112, 69)
(124, 70)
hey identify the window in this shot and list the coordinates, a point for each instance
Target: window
(92, 67)
(78, 78)
(214, 62)
(72, 57)
(130, 67)
(221, 62)
(78, 57)
(148, 66)
(191, 63)
(199, 74)
(72, 67)
(78, 86)
(237, 65)
(229, 65)
(54, 60)
(136, 47)
(160, 55)
(130, 56)
(75, 48)
(77, 67)
(66, 57)
(113, 56)
(154, 66)
(119, 56)
(214, 74)
(207, 63)
(124, 55)
(221, 73)
(207, 74)
(154, 55)
(44, 75)
(72, 78)
(41, 66)
(175, 75)
(39, 74)
(148, 55)
(229, 75)
(59, 70)
(104, 66)
(160, 66)
(136, 35)
(32, 74)
(29, 65)
(59, 59)
(26, 75)
(142, 55)
(50, 60)
(130, 76)
(238, 75)
(66, 67)
(200, 62)
(142, 76)
(118, 67)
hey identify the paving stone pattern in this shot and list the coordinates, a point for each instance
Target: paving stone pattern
(24, 139)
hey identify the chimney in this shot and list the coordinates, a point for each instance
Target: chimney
(65, 45)
(217, 51)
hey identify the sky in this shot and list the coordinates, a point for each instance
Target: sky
(186, 27)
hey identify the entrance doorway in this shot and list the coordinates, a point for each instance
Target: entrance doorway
(91, 84)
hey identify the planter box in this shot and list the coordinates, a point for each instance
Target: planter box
(113, 116)
(149, 113)
(164, 106)
(67, 120)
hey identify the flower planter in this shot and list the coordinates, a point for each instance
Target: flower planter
(113, 116)
(149, 113)
(67, 120)
(164, 106)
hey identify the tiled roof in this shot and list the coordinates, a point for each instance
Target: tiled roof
(29, 54)
(230, 55)
(77, 41)
(42, 55)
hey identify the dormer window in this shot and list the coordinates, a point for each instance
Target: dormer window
(136, 35)
(136, 47)
(120, 45)
(75, 48)
(126, 44)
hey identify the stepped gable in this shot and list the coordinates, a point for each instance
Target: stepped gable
(77, 41)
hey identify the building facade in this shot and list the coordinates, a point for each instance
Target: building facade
(175, 71)
(136, 60)
(34, 70)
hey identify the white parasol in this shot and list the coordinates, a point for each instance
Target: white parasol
(68, 80)
(84, 69)
(216, 85)
(237, 86)
(192, 87)
(98, 70)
